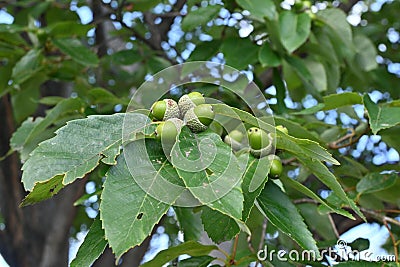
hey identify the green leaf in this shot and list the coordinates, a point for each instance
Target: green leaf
(326, 177)
(92, 247)
(34, 132)
(319, 77)
(143, 5)
(43, 191)
(336, 20)
(259, 9)
(27, 66)
(381, 117)
(318, 223)
(128, 213)
(268, 57)
(254, 179)
(218, 226)
(366, 53)
(282, 213)
(294, 29)
(126, 57)
(233, 47)
(199, 17)
(191, 248)
(74, 151)
(201, 261)
(103, 96)
(209, 170)
(374, 182)
(306, 191)
(205, 50)
(339, 100)
(25, 101)
(67, 29)
(189, 223)
(77, 51)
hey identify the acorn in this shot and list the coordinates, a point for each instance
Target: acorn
(165, 109)
(189, 101)
(260, 142)
(199, 117)
(276, 167)
(234, 139)
(168, 130)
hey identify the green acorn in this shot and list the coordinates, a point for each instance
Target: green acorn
(189, 101)
(276, 167)
(234, 139)
(199, 117)
(167, 131)
(260, 142)
(165, 109)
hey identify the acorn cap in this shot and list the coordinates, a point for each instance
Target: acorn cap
(233, 143)
(185, 103)
(193, 122)
(172, 109)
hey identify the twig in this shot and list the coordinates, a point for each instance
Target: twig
(393, 241)
(234, 249)
(333, 226)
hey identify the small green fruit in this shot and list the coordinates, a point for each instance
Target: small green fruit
(236, 135)
(165, 109)
(197, 98)
(167, 131)
(199, 117)
(276, 168)
(189, 101)
(258, 138)
(234, 139)
(205, 113)
(282, 129)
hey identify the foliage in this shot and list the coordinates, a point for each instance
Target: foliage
(309, 54)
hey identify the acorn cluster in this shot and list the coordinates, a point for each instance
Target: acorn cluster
(191, 110)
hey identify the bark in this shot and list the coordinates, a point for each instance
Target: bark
(36, 235)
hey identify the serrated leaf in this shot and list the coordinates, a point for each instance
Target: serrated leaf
(199, 17)
(191, 248)
(36, 132)
(326, 177)
(92, 247)
(294, 29)
(43, 191)
(381, 117)
(218, 226)
(254, 179)
(374, 182)
(74, 151)
(77, 51)
(128, 213)
(306, 191)
(282, 213)
(209, 170)
(259, 9)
